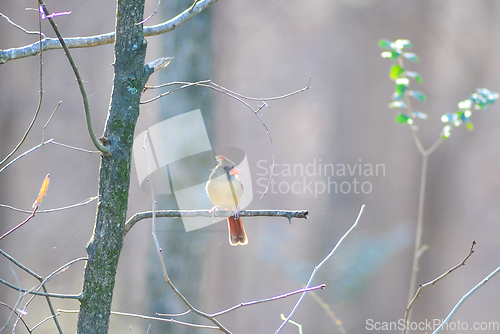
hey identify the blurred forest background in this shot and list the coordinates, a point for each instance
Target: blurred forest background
(263, 49)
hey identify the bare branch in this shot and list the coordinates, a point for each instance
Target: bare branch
(107, 38)
(240, 98)
(61, 269)
(104, 149)
(285, 295)
(75, 148)
(151, 15)
(15, 312)
(318, 267)
(467, 295)
(328, 311)
(20, 224)
(265, 98)
(21, 28)
(133, 315)
(434, 281)
(47, 294)
(219, 213)
(40, 98)
(87, 201)
(50, 118)
(154, 66)
(160, 256)
(24, 154)
(40, 279)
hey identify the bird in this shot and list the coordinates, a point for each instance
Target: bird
(225, 190)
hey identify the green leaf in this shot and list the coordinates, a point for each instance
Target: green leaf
(418, 95)
(396, 71)
(404, 119)
(465, 104)
(418, 114)
(490, 96)
(401, 87)
(446, 132)
(480, 101)
(464, 115)
(450, 117)
(397, 104)
(402, 43)
(403, 81)
(385, 43)
(394, 54)
(410, 56)
(414, 75)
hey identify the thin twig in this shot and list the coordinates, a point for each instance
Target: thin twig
(24, 154)
(104, 149)
(49, 141)
(87, 201)
(318, 267)
(133, 315)
(265, 98)
(50, 118)
(434, 281)
(42, 286)
(419, 249)
(219, 213)
(173, 315)
(254, 302)
(52, 316)
(160, 256)
(240, 98)
(20, 224)
(39, 278)
(328, 311)
(21, 28)
(150, 16)
(467, 295)
(47, 294)
(15, 312)
(75, 148)
(299, 326)
(39, 105)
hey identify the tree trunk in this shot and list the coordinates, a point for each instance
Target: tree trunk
(114, 177)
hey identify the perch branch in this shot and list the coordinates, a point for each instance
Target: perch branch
(206, 213)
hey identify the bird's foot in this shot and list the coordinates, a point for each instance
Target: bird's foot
(236, 213)
(213, 210)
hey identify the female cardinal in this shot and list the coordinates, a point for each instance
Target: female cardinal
(225, 189)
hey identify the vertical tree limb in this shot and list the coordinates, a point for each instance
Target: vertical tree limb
(114, 177)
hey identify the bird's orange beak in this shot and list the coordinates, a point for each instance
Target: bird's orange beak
(234, 171)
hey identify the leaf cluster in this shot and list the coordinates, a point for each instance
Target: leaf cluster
(402, 92)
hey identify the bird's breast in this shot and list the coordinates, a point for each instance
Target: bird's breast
(225, 193)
